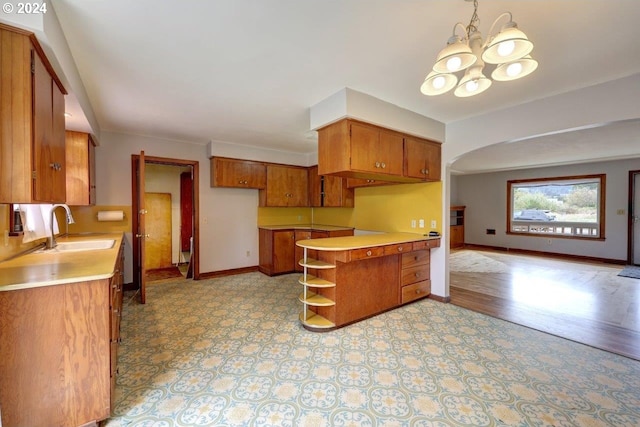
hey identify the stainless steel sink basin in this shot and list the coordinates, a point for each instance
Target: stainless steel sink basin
(83, 245)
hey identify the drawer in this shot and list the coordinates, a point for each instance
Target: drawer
(416, 291)
(414, 274)
(365, 253)
(411, 259)
(426, 244)
(398, 249)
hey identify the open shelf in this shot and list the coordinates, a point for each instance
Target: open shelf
(314, 263)
(315, 300)
(315, 282)
(316, 321)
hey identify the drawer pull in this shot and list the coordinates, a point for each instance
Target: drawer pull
(400, 249)
(368, 253)
(383, 165)
(415, 258)
(417, 274)
(418, 291)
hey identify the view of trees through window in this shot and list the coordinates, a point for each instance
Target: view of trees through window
(565, 202)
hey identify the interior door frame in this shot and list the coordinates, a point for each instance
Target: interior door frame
(196, 207)
(630, 215)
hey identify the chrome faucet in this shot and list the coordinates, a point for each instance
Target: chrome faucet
(51, 242)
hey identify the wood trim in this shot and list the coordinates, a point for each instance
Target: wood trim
(438, 298)
(630, 216)
(230, 272)
(546, 254)
(601, 208)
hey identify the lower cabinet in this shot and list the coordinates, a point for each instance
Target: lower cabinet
(278, 253)
(414, 275)
(58, 352)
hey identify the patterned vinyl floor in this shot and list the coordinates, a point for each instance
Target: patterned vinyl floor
(230, 352)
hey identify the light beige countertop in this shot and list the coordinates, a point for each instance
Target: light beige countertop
(47, 268)
(317, 227)
(361, 241)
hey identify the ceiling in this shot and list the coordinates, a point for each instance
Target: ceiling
(247, 72)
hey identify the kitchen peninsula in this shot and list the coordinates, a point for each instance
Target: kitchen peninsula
(346, 279)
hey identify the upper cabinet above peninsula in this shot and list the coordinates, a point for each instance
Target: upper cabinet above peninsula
(354, 149)
(32, 141)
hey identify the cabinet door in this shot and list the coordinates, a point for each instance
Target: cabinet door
(237, 173)
(391, 153)
(315, 188)
(48, 137)
(79, 157)
(421, 159)
(364, 148)
(15, 104)
(283, 251)
(336, 193)
(287, 186)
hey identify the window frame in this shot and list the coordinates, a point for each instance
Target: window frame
(601, 207)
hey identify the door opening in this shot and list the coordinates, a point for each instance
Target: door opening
(188, 190)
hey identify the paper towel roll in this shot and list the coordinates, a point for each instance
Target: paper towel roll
(110, 215)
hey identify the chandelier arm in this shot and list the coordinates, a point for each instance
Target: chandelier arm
(490, 33)
(464, 31)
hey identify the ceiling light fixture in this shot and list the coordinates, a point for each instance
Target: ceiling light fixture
(508, 50)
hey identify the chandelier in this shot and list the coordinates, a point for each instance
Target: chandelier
(508, 50)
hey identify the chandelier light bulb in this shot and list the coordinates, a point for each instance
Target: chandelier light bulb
(454, 63)
(472, 85)
(506, 48)
(438, 82)
(514, 69)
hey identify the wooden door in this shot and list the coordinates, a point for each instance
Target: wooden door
(364, 148)
(140, 271)
(186, 211)
(283, 251)
(158, 230)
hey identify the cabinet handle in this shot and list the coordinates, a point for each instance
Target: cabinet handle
(400, 249)
(417, 274)
(55, 166)
(377, 164)
(415, 258)
(368, 253)
(383, 165)
(418, 291)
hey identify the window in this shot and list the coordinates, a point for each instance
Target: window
(561, 207)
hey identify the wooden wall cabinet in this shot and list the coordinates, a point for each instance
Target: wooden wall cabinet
(80, 158)
(287, 186)
(329, 191)
(370, 153)
(236, 173)
(422, 159)
(456, 226)
(32, 142)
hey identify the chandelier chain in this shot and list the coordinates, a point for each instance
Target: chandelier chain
(475, 21)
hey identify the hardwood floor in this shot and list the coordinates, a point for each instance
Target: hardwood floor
(582, 301)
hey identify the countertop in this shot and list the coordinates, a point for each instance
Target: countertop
(317, 227)
(36, 269)
(361, 241)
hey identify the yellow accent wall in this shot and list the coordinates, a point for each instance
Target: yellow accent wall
(283, 216)
(385, 208)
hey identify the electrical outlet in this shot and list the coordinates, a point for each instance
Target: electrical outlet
(620, 212)
(549, 241)
(433, 223)
(248, 253)
(421, 223)
(413, 223)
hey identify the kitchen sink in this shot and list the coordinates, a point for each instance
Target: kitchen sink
(82, 245)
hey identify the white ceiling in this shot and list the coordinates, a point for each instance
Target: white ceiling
(247, 71)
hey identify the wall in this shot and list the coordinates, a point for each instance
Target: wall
(228, 216)
(485, 196)
(388, 208)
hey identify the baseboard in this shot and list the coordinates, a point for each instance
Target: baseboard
(439, 298)
(230, 272)
(545, 254)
